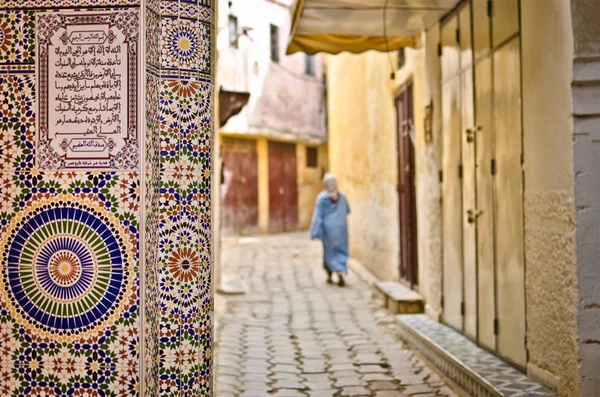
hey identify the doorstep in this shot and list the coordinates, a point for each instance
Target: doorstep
(398, 298)
(477, 372)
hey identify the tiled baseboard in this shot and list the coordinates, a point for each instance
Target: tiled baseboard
(477, 372)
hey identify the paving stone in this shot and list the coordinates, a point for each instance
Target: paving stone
(389, 393)
(377, 376)
(344, 382)
(322, 393)
(369, 369)
(417, 389)
(323, 385)
(354, 392)
(289, 393)
(383, 385)
(288, 384)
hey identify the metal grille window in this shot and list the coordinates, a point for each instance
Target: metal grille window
(312, 158)
(310, 65)
(275, 43)
(233, 31)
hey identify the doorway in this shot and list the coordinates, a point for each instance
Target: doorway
(240, 187)
(283, 187)
(406, 188)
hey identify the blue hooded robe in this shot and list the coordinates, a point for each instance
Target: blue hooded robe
(330, 225)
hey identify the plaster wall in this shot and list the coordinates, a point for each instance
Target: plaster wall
(363, 151)
(549, 206)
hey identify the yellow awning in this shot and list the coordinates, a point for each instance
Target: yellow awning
(334, 26)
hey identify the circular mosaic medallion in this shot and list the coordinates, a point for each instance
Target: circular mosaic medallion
(67, 267)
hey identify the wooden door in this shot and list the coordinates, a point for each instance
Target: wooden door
(283, 187)
(451, 171)
(468, 144)
(240, 203)
(406, 188)
(509, 232)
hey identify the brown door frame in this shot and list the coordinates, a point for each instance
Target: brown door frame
(407, 200)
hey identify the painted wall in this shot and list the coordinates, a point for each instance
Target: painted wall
(363, 155)
(551, 273)
(285, 102)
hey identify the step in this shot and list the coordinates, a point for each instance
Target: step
(476, 371)
(398, 298)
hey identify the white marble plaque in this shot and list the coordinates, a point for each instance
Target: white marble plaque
(88, 86)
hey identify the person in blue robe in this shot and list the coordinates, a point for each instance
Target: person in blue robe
(330, 225)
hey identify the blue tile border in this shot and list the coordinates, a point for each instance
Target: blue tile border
(475, 370)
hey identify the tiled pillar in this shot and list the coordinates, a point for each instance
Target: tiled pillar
(178, 169)
(105, 282)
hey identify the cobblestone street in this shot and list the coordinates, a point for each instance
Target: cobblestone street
(292, 334)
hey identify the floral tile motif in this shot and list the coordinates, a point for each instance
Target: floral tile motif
(17, 37)
(185, 44)
(17, 122)
(57, 214)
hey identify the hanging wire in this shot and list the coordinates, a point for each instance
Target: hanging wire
(387, 43)
(283, 68)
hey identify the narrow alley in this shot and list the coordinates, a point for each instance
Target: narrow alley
(292, 334)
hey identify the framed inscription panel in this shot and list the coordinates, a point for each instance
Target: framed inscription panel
(87, 64)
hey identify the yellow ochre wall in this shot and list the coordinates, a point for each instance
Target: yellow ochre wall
(363, 150)
(550, 250)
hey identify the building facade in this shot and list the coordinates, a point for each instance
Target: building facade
(495, 138)
(274, 151)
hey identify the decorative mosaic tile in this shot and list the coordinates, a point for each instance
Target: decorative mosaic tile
(73, 316)
(169, 125)
(17, 37)
(505, 379)
(17, 122)
(152, 38)
(185, 44)
(36, 4)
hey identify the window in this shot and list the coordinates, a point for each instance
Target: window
(310, 65)
(274, 43)
(312, 158)
(233, 31)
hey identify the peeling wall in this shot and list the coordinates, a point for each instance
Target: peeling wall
(551, 283)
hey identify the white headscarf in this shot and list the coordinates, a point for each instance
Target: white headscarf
(331, 187)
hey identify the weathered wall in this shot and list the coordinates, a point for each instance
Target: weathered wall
(363, 155)
(586, 110)
(551, 283)
(285, 103)
(430, 227)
